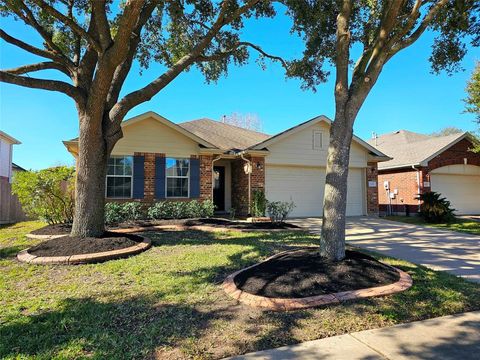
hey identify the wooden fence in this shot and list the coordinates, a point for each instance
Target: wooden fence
(10, 208)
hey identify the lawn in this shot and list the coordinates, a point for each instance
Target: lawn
(167, 303)
(462, 225)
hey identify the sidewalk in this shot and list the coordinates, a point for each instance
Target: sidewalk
(451, 337)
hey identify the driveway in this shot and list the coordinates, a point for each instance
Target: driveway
(450, 251)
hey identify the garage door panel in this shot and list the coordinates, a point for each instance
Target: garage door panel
(463, 191)
(305, 187)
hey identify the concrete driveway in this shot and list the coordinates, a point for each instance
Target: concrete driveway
(450, 251)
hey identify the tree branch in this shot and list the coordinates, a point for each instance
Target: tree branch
(34, 50)
(37, 67)
(99, 15)
(68, 22)
(51, 85)
(342, 56)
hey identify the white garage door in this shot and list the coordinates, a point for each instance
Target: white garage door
(463, 191)
(305, 186)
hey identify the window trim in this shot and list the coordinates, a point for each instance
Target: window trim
(131, 177)
(177, 177)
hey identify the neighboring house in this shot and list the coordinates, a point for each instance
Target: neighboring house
(205, 159)
(6, 153)
(10, 208)
(422, 163)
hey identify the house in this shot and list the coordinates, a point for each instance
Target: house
(422, 163)
(6, 152)
(10, 208)
(206, 159)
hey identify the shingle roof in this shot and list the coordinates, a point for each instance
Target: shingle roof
(408, 148)
(224, 136)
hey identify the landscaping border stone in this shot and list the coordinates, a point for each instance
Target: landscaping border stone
(43, 237)
(25, 256)
(288, 304)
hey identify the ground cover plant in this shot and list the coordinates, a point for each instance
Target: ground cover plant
(167, 303)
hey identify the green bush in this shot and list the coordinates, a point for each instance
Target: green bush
(434, 208)
(279, 210)
(180, 209)
(47, 194)
(259, 203)
(116, 213)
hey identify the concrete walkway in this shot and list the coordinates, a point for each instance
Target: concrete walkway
(451, 337)
(454, 252)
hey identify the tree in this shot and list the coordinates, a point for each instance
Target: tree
(381, 28)
(449, 130)
(472, 102)
(247, 121)
(93, 44)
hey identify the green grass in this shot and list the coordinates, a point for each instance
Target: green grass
(462, 225)
(167, 303)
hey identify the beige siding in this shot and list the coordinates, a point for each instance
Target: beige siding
(297, 149)
(151, 136)
(305, 187)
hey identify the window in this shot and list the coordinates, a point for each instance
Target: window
(119, 177)
(178, 177)
(317, 142)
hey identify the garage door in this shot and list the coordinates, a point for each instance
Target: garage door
(463, 191)
(305, 186)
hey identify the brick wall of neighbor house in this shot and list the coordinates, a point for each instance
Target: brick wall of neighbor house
(372, 192)
(405, 180)
(205, 177)
(240, 183)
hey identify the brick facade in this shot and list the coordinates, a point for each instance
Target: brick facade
(405, 179)
(240, 183)
(372, 191)
(206, 177)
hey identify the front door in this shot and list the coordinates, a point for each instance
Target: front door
(219, 188)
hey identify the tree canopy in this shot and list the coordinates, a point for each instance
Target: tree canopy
(472, 101)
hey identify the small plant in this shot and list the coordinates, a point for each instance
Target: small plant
(434, 208)
(279, 210)
(47, 194)
(259, 203)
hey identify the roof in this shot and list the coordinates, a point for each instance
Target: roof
(9, 138)
(224, 136)
(322, 118)
(15, 167)
(409, 149)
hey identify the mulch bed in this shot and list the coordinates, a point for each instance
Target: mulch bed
(67, 245)
(61, 229)
(303, 273)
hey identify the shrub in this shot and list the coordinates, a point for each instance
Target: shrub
(116, 213)
(180, 209)
(434, 208)
(279, 210)
(259, 203)
(47, 194)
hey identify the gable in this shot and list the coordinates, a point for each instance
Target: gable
(299, 148)
(150, 135)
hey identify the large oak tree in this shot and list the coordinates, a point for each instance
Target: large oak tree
(93, 44)
(381, 29)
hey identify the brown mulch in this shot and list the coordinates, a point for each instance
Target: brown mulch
(304, 273)
(64, 229)
(67, 245)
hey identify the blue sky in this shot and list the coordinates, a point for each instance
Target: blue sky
(406, 96)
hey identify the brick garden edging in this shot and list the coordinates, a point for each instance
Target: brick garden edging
(43, 237)
(287, 304)
(25, 256)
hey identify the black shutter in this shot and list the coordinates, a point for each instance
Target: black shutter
(194, 178)
(138, 177)
(160, 178)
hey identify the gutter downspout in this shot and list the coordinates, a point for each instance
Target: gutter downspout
(249, 183)
(418, 184)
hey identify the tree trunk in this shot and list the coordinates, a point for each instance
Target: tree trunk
(332, 241)
(90, 179)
